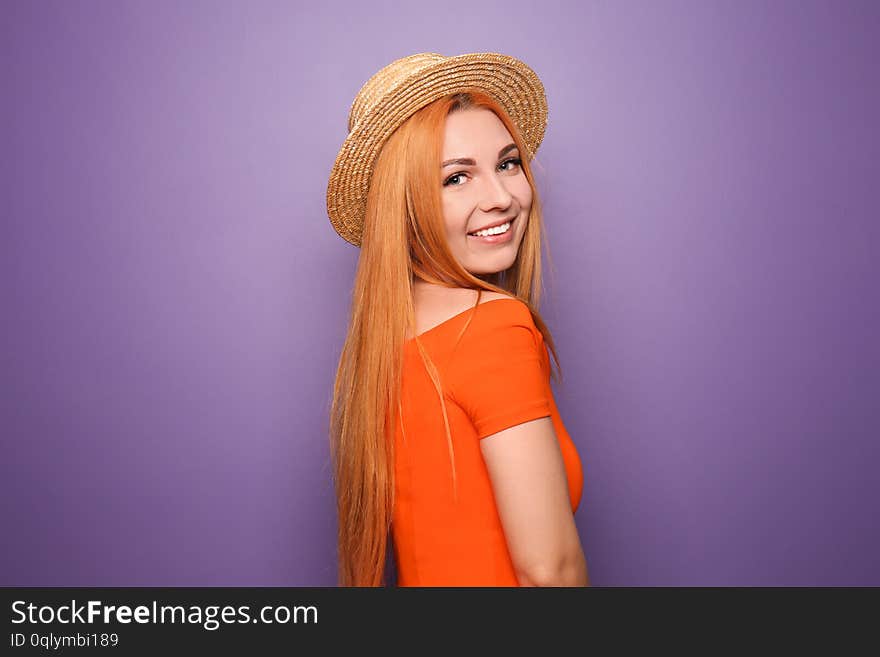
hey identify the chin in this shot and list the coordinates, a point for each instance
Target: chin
(495, 267)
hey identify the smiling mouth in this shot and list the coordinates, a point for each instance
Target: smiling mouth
(509, 221)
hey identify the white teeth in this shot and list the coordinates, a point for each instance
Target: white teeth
(498, 230)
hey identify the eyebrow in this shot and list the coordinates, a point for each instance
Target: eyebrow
(469, 162)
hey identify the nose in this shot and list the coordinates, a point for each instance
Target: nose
(495, 195)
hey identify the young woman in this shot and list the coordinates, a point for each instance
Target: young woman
(445, 436)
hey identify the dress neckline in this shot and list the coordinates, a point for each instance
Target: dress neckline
(457, 316)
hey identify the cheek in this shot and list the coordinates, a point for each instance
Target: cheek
(523, 192)
(455, 215)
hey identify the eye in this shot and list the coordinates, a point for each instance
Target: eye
(449, 181)
(512, 160)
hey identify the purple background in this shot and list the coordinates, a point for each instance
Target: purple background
(175, 299)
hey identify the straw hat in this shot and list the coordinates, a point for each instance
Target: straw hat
(403, 87)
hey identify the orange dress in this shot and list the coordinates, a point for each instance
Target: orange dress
(495, 377)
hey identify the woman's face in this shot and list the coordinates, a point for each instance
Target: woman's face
(483, 185)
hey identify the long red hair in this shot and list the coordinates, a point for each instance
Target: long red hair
(404, 237)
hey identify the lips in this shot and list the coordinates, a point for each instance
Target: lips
(493, 225)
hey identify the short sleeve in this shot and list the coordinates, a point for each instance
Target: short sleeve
(500, 379)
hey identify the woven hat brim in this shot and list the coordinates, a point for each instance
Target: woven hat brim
(516, 87)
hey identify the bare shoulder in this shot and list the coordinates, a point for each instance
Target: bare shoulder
(491, 296)
(435, 305)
